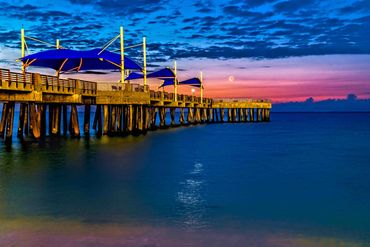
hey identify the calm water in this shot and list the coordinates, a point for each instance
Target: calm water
(306, 173)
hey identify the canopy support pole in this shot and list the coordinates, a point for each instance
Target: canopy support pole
(61, 67)
(23, 48)
(201, 87)
(175, 81)
(122, 56)
(57, 44)
(144, 58)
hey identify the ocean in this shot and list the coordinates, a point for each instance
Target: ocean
(300, 180)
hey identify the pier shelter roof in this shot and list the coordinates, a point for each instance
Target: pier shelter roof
(63, 60)
(160, 74)
(194, 82)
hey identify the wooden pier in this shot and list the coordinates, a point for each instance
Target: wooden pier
(120, 108)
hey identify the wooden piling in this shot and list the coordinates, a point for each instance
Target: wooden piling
(97, 124)
(65, 119)
(21, 120)
(182, 116)
(162, 116)
(153, 116)
(106, 119)
(26, 119)
(119, 117)
(172, 113)
(50, 108)
(112, 120)
(74, 124)
(9, 122)
(42, 113)
(3, 119)
(87, 120)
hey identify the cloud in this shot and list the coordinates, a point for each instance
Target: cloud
(119, 7)
(205, 29)
(357, 6)
(293, 5)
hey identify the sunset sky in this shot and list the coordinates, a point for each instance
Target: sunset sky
(277, 49)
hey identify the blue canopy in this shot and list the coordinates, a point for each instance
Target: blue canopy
(167, 82)
(68, 60)
(161, 74)
(194, 82)
(134, 76)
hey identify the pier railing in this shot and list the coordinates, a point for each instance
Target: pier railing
(53, 84)
(245, 100)
(15, 81)
(117, 86)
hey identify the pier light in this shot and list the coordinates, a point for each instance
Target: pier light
(192, 91)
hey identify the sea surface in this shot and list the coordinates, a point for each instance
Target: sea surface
(302, 179)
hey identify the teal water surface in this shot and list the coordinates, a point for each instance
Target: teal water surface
(301, 172)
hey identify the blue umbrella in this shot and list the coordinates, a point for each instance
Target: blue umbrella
(63, 60)
(162, 73)
(194, 82)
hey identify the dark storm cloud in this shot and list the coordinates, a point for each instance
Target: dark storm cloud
(358, 6)
(225, 52)
(290, 6)
(203, 7)
(32, 13)
(9, 38)
(237, 11)
(119, 7)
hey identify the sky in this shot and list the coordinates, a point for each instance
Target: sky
(277, 49)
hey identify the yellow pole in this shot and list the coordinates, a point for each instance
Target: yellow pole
(144, 56)
(201, 87)
(175, 82)
(57, 44)
(122, 56)
(23, 53)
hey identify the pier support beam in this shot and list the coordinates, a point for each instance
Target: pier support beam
(65, 120)
(97, 124)
(229, 115)
(9, 122)
(106, 119)
(87, 120)
(172, 112)
(42, 110)
(146, 118)
(35, 121)
(129, 119)
(182, 116)
(190, 115)
(21, 120)
(153, 118)
(3, 119)
(162, 117)
(112, 120)
(215, 116)
(74, 127)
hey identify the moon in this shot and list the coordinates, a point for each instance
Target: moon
(231, 78)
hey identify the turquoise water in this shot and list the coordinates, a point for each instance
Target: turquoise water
(302, 173)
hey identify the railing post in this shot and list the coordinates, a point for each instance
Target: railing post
(77, 87)
(37, 82)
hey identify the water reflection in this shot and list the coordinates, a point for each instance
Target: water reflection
(191, 198)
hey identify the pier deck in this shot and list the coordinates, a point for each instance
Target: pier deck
(120, 108)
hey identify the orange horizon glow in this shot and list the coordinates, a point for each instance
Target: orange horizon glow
(280, 80)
